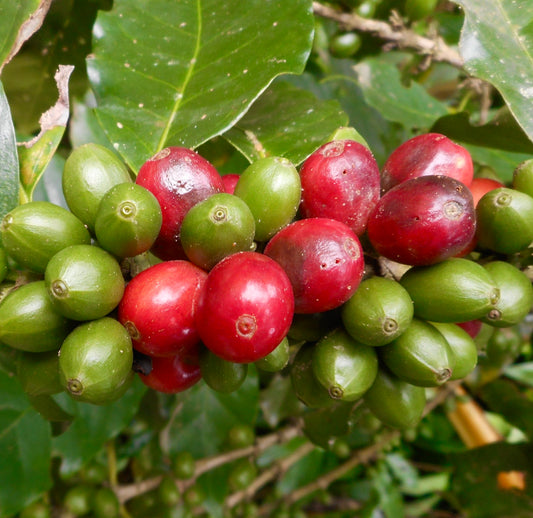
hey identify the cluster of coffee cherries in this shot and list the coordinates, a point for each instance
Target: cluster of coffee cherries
(349, 279)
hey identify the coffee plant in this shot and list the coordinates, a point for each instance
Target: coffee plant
(266, 258)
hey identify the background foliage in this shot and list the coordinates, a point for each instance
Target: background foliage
(238, 84)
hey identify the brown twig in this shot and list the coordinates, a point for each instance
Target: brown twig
(395, 35)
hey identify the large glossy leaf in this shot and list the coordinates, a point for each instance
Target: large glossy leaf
(286, 121)
(9, 167)
(205, 416)
(497, 46)
(18, 21)
(475, 476)
(25, 447)
(168, 72)
(93, 426)
(411, 106)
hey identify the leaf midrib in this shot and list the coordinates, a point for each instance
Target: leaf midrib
(181, 91)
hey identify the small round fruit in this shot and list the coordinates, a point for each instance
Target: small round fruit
(78, 499)
(242, 474)
(173, 374)
(378, 312)
(183, 465)
(427, 154)
(29, 322)
(505, 221)
(516, 295)
(95, 361)
(523, 177)
(35, 510)
(194, 496)
(84, 282)
(277, 359)
(168, 492)
(481, 186)
(230, 181)
(34, 232)
(421, 355)
(94, 473)
(323, 259)
(128, 220)
(503, 347)
(105, 503)
(396, 403)
(423, 220)
(245, 308)
(340, 180)
(270, 187)
(463, 347)
(345, 44)
(455, 290)
(304, 383)
(38, 373)
(159, 305)
(240, 436)
(418, 9)
(217, 227)
(179, 178)
(222, 375)
(344, 367)
(90, 171)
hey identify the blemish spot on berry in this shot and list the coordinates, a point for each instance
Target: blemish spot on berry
(334, 148)
(246, 326)
(162, 154)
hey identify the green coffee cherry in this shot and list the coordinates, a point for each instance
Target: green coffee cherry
(418, 9)
(95, 361)
(78, 499)
(379, 311)
(347, 133)
(344, 367)
(454, 290)
(29, 321)
(128, 220)
(504, 219)
(503, 347)
(516, 295)
(277, 359)
(36, 510)
(271, 188)
(89, 172)
(242, 474)
(217, 227)
(184, 465)
(194, 496)
(84, 282)
(523, 177)
(396, 403)
(463, 347)
(168, 491)
(38, 373)
(420, 356)
(345, 44)
(222, 375)
(105, 503)
(94, 473)
(305, 385)
(34, 232)
(240, 436)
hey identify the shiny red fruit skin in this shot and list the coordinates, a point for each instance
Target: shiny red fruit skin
(230, 181)
(341, 181)
(323, 259)
(423, 221)
(173, 374)
(481, 186)
(424, 155)
(472, 327)
(158, 307)
(179, 178)
(246, 307)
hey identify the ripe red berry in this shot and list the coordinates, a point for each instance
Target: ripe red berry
(480, 186)
(230, 181)
(427, 154)
(158, 307)
(323, 259)
(246, 307)
(340, 180)
(179, 178)
(423, 221)
(174, 374)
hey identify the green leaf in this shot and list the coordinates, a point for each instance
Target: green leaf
(497, 46)
(18, 22)
(411, 106)
(178, 73)
(93, 426)
(502, 132)
(503, 397)
(205, 416)
(36, 154)
(25, 446)
(286, 121)
(278, 401)
(9, 167)
(474, 481)
(521, 372)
